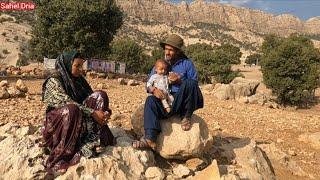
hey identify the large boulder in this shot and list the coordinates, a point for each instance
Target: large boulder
(224, 91)
(244, 87)
(22, 158)
(175, 143)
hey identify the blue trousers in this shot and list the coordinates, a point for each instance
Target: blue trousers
(188, 99)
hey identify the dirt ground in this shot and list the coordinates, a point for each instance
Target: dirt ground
(263, 124)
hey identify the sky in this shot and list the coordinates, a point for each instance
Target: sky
(303, 9)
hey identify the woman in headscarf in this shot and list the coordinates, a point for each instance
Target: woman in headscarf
(76, 117)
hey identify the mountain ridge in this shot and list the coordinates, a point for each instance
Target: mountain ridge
(237, 18)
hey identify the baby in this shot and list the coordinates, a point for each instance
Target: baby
(160, 81)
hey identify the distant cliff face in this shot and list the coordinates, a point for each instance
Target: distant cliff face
(225, 15)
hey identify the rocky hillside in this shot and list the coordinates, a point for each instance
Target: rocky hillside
(149, 32)
(14, 37)
(216, 13)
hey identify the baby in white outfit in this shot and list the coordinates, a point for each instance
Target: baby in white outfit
(160, 81)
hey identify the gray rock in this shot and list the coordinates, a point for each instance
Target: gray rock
(251, 162)
(244, 87)
(4, 83)
(208, 88)
(13, 92)
(192, 143)
(238, 88)
(194, 163)
(20, 156)
(137, 120)
(4, 93)
(258, 98)
(224, 91)
(209, 173)
(132, 82)
(174, 143)
(121, 81)
(181, 171)
(155, 173)
(21, 86)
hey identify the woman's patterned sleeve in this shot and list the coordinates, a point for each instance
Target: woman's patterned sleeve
(55, 96)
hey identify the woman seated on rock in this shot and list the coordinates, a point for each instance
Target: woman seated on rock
(76, 117)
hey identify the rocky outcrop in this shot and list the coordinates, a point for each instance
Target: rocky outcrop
(216, 13)
(244, 159)
(22, 158)
(238, 88)
(20, 155)
(279, 157)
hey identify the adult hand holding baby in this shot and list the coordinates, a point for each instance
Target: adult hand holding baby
(174, 78)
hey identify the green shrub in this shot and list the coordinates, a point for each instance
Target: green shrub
(253, 59)
(131, 53)
(232, 53)
(291, 68)
(22, 61)
(88, 26)
(208, 64)
(213, 62)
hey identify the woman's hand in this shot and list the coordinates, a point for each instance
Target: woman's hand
(101, 117)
